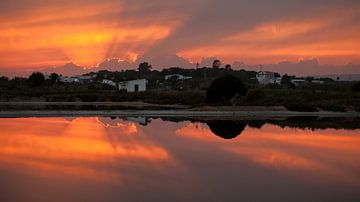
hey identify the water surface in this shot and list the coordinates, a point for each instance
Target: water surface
(103, 159)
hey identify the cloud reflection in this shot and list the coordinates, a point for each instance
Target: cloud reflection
(328, 152)
(77, 148)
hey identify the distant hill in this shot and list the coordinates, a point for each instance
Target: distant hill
(302, 68)
(72, 69)
(342, 77)
(69, 69)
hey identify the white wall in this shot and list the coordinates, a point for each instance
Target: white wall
(129, 86)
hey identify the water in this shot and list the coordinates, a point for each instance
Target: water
(103, 159)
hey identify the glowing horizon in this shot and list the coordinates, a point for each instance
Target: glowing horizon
(37, 35)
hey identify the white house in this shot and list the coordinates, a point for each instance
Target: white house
(317, 81)
(177, 77)
(265, 78)
(140, 120)
(138, 85)
(109, 82)
(297, 82)
(83, 79)
(66, 79)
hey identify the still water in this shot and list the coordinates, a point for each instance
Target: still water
(103, 159)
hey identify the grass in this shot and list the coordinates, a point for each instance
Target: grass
(333, 98)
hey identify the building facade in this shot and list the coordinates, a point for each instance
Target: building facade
(109, 82)
(138, 85)
(265, 78)
(177, 77)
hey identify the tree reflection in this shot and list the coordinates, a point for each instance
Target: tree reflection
(227, 129)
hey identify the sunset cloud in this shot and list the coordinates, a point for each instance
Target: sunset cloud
(36, 33)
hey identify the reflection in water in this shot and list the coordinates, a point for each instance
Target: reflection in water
(226, 129)
(74, 147)
(104, 159)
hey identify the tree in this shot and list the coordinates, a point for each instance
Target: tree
(228, 67)
(144, 67)
(225, 89)
(4, 81)
(54, 77)
(36, 78)
(309, 79)
(216, 64)
(356, 87)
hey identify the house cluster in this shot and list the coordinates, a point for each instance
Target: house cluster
(266, 77)
(177, 77)
(77, 79)
(138, 85)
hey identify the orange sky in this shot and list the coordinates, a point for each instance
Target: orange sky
(37, 34)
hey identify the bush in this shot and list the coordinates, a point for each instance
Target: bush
(37, 78)
(223, 89)
(255, 95)
(88, 98)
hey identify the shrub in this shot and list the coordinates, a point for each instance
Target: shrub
(36, 78)
(223, 89)
(88, 98)
(255, 95)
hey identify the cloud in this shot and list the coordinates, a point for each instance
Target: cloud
(38, 33)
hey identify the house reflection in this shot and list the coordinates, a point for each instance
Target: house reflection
(142, 120)
(227, 129)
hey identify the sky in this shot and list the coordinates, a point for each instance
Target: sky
(36, 34)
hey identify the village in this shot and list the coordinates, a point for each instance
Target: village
(177, 76)
(172, 87)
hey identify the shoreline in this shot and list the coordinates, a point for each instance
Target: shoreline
(176, 113)
(13, 109)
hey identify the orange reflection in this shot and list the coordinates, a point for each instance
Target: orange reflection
(78, 147)
(327, 152)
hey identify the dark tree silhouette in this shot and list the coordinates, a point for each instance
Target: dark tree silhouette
(224, 89)
(54, 77)
(36, 78)
(227, 129)
(286, 80)
(216, 64)
(228, 67)
(144, 67)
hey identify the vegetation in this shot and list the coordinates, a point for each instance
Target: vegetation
(54, 77)
(145, 67)
(225, 90)
(208, 86)
(36, 78)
